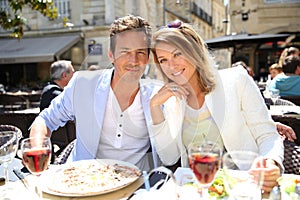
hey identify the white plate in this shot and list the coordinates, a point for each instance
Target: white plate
(47, 177)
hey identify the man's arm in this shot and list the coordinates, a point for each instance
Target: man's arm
(39, 129)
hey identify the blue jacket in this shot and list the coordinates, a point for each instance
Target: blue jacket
(287, 85)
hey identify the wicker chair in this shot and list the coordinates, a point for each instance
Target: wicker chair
(291, 160)
(283, 102)
(63, 156)
(294, 99)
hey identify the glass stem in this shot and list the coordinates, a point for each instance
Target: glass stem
(205, 194)
(5, 166)
(37, 188)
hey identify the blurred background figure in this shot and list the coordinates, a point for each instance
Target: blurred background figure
(61, 73)
(93, 67)
(262, 75)
(2, 89)
(275, 69)
(288, 82)
(288, 52)
(242, 63)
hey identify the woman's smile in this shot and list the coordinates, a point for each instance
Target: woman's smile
(178, 73)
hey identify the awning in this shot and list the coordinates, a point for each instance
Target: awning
(232, 40)
(33, 50)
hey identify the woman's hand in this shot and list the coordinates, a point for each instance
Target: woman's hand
(286, 132)
(168, 90)
(271, 173)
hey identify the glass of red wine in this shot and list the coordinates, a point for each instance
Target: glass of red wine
(204, 161)
(36, 154)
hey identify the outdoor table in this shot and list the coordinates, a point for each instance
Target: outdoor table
(122, 194)
(25, 95)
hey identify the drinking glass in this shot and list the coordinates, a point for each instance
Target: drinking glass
(274, 94)
(204, 161)
(36, 154)
(9, 141)
(241, 179)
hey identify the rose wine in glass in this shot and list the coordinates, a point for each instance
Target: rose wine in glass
(36, 154)
(36, 160)
(204, 160)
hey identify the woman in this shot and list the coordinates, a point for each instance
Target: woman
(200, 103)
(275, 69)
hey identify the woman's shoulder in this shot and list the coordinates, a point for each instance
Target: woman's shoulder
(234, 73)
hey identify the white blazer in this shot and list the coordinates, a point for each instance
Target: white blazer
(240, 113)
(85, 99)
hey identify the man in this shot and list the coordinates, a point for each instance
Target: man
(61, 73)
(111, 106)
(288, 83)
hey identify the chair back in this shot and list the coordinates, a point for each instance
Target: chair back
(291, 160)
(12, 102)
(283, 102)
(294, 99)
(63, 156)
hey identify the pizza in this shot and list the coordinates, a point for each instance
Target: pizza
(90, 177)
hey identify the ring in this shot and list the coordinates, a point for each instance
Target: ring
(174, 88)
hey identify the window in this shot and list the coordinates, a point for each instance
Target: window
(4, 5)
(282, 1)
(63, 8)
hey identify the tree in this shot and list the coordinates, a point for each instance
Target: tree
(12, 19)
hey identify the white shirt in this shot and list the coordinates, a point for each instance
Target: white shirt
(124, 135)
(198, 125)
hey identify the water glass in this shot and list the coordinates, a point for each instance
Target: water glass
(242, 180)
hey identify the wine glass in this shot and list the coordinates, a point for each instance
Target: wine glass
(204, 161)
(274, 94)
(36, 154)
(9, 141)
(241, 179)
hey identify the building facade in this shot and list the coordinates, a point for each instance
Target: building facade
(264, 17)
(86, 23)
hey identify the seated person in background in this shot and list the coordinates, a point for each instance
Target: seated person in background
(61, 73)
(93, 67)
(200, 103)
(288, 83)
(262, 75)
(111, 106)
(249, 69)
(274, 70)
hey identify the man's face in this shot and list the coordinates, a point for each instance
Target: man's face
(130, 56)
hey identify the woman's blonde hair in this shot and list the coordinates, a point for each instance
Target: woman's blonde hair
(187, 41)
(276, 66)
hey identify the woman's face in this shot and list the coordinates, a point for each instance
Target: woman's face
(273, 72)
(174, 64)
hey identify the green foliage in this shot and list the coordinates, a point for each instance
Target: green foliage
(11, 19)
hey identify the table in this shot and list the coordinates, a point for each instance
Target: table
(121, 194)
(23, 193)
(29, 97)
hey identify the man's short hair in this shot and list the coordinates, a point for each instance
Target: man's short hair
(128, 23)
(290, 64)
(58, 68)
